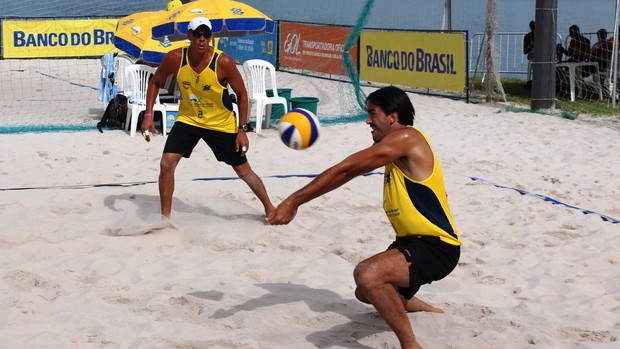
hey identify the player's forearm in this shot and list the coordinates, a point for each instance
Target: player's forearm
(242, 104)
(327, 181)
(151, 96)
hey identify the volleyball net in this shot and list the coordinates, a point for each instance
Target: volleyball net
(51, 68)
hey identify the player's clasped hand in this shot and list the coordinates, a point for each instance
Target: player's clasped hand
(284, 214)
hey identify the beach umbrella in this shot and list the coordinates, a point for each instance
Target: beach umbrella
(133, 36)
(228, 18)
(154, 51)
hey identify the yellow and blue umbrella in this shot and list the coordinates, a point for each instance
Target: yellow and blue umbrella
(133, 36)
(155, 50)
(228, 18)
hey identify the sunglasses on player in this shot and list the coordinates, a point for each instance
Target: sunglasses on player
(206, 35)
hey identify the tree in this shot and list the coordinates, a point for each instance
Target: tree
(492, 83)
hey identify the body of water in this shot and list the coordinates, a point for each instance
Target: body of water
(513, 15)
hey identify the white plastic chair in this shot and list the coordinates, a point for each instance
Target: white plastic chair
(138, 76)
(120, 63)
(169, 91)
(256, 71)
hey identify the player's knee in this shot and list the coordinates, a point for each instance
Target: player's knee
(166, 165)
(361, 296)
(243, 170)
(365, 274)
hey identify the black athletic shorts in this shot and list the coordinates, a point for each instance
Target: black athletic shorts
(183, 138)
(431, 260)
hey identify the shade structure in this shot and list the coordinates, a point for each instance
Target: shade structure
(133, 36)
(228, 18)
(155, 50)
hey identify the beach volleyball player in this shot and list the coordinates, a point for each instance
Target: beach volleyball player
(205, 112)
(427, 244)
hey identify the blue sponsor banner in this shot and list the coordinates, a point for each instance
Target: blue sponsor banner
(257, 46)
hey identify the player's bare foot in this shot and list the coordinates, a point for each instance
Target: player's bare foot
(415, 304)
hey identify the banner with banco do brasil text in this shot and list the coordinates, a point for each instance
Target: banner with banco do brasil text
(428, 60)
(57, 38)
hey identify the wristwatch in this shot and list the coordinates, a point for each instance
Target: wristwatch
(244, 127)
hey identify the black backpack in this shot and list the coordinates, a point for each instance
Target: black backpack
(115, 114)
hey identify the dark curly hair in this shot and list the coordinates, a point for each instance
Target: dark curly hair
(392, 99)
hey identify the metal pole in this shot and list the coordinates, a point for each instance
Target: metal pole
(614, 58)
(448, 14)
(543, 66)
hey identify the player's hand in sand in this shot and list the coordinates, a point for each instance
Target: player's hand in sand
(283, 214)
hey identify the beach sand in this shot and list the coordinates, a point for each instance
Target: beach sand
(535, 271)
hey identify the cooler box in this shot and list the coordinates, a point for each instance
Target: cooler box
(172, 110)
(277, 110)
(309, 103)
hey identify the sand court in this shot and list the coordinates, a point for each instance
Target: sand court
(533, 273)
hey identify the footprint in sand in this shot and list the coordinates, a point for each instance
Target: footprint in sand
(124, 230)
(24, 281)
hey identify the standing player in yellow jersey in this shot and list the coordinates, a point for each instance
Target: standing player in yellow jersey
(205, 112)
(427, 245)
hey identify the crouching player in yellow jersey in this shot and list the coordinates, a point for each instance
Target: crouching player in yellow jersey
(427, 245)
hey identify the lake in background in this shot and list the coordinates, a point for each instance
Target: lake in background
(514, 15)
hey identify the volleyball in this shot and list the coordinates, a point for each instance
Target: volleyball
(299, 128)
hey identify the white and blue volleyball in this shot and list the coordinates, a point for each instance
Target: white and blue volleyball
(299, 128)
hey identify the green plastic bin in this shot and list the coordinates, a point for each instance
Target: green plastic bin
(309, 103)
(277, 110)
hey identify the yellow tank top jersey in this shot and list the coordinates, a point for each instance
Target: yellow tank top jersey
(204, 102)
(418, 208)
